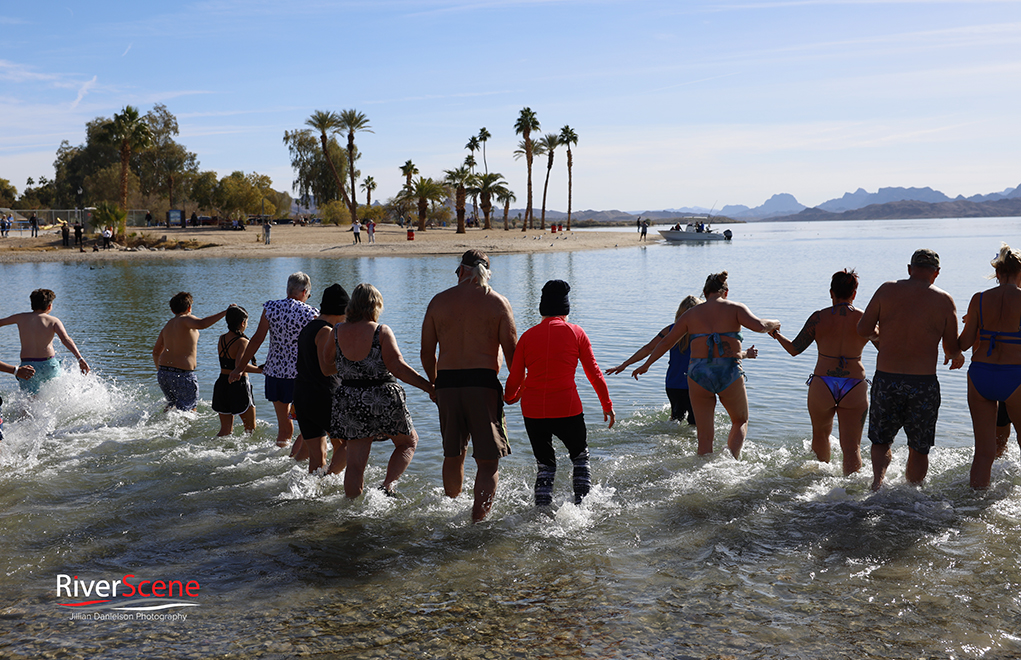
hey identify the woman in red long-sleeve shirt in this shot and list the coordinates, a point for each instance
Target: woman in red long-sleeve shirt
(542, 377)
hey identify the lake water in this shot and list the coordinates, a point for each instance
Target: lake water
(672, 555)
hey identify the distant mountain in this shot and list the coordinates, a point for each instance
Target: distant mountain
(914, 209)
(860, 198)
(780, 204)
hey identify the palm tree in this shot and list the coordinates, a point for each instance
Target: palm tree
(484, 135)
(549, 143)
(422, 191)
(128, 132)
(409, 170)
(505, 198)
(469, 162)
(526, 123)
(538, 149)
(487, 186)
(567, 138)
(352, 121)
(329, 122)
(473, 146)
(460, 179)
(368, 185)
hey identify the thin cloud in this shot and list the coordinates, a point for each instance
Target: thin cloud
(83, 90)
(127, 49)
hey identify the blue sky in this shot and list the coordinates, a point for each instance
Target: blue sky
(675, 103)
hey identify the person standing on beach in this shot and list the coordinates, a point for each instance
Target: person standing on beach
(37, 330)
(33, 223)
(914, 318)
(644, 229)
(78, 233)
(370, 230)
(176, 353)
(470, 323)
(282, 320)
(267, 227)
(837, 386)
(356, 227)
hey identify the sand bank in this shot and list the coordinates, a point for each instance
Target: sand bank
(324, 242)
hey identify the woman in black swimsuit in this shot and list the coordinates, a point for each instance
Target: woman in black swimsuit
(235, 398)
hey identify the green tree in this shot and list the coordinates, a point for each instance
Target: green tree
(73, 165)
(108, 214)
(422, 191)
(335, 212)
(549, 143)
(203, 189)
(239, 194)
(130, 133)
(484, 136)
(314, 174)
(165, 163)
(368, 185)
(568, 138)
(105, 186)
(505, 198)
(8, 193)
(353, 121)
(487, 186)
(325, 123)
(409, 170)
(526, 123)
(460, 179)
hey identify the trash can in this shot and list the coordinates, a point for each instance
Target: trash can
(411, 234)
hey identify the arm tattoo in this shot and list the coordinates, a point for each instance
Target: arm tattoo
(807, 334)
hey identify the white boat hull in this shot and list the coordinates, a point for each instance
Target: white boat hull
(686, 236)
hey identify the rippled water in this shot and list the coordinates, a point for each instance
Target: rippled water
(672, 556)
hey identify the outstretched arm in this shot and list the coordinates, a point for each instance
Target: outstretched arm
(951, 350)
(641, 353)
(680, 328)
(68, 343)
(969, 335)
(394, 361)
(429, 341)
(253, 347)
(802, 341)
(754, 323)
(201, 324)
(23, 372)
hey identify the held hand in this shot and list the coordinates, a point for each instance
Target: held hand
(639, 371)
(609, 416)
(956, 362)
(771, 326)
(24, 372)
(615, 370)
(235, 375)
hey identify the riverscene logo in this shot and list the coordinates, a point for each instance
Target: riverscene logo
(128, 599)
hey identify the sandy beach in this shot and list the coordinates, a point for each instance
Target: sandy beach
(292, 241)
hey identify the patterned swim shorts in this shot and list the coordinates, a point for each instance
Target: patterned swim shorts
(905, 401)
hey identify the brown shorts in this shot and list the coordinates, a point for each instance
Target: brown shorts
(471, 405)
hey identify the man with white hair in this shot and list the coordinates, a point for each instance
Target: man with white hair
(470, 323)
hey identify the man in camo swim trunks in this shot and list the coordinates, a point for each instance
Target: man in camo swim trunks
(37, 330)
(915, 317)
(176, 353)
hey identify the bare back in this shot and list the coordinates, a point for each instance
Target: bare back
(717, 315)
(179, 343)
(37, 330)
(994, 311)
(840, 346)
(913, 318)
(470, 325)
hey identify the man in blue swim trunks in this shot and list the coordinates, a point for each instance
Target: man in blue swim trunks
(915, 317)
(37, 329)
(176, 353)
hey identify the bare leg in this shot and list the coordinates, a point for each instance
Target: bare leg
(404, 449)
(453, 474)
(300, 449)
(851, 413)
(881, 457)
(285, 427)
(226, 425)
(357, 459)
(316, 448)
(248, 419)
(703, 402)
(339, 460)
(983, 423)
(486, 478)
(918, 466)
(735, 401)
(821, 409)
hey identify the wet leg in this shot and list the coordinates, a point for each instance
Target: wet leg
(357, 459)
(486, 478)
(226, 425)
(703, 402)
(881, 457)
(851, 413)
(339, 460)
(735, 401)
(400, 459)
(453, 474)
(983, 423)
(821, 409)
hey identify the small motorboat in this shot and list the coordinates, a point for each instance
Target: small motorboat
(694, 232)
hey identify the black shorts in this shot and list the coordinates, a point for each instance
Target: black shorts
(905, 401)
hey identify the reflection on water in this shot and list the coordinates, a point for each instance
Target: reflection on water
(672, 556)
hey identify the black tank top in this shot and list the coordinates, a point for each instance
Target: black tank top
(229, 362)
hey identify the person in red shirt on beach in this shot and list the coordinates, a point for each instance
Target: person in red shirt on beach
(542, 377)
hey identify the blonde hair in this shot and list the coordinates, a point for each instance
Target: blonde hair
(1007, 262)
(366, 304)
(687, 304)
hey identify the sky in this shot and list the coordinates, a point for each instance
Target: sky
(678, 103)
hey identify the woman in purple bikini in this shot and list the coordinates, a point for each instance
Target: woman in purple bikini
(837, 386)
(992, 329)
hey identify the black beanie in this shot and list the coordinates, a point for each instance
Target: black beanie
(335, 300)
(554, 301)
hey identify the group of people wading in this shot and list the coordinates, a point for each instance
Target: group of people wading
(336, 371)
(907, 320)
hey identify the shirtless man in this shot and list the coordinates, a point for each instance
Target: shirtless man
(914, 317)
(471, 323)
(176, 353)
(37, 329)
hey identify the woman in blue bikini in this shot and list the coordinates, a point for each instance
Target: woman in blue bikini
(837, 386)
(992, 329)
(715, 367)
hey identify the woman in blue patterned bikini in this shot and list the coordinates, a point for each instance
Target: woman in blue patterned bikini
(992, 329)
(715, 367)
(837, 386)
